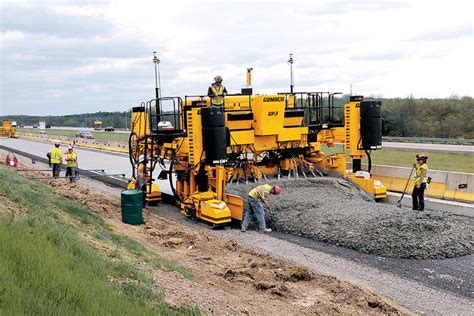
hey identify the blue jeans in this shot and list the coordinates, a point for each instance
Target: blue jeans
(71, 172)
(255, 206)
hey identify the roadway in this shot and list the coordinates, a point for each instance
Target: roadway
(112, 163)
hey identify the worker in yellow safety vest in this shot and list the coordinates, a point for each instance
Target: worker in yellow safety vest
(255, 200)
(141, 173)
(71, 164)
(217, 91)
(56, 159)
(421, 178)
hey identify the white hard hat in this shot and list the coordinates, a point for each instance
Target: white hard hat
(69, 147)
(218, 78)
(56, 142)
(141, 158)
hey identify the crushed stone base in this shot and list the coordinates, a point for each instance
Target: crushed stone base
(335, 211)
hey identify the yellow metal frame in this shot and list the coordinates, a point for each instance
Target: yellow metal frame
(258, 125)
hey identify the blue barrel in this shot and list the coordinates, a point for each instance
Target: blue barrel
(131, 201)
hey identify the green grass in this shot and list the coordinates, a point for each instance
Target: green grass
(437, 160)
(104, 136)
(47, 267)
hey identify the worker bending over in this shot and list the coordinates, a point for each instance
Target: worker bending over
(71, 164)
(141, 176)
(421, 178)
(56, 159)
(217, 91)
(256, 198)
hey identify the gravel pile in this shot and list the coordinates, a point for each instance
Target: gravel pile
(334, 211)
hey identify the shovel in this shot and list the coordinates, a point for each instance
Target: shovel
(399, 202)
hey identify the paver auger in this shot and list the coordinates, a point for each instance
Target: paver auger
(250, 137)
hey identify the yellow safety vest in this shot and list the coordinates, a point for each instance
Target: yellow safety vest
(71, 159)
(418, 173)
(141, 175)
(264, 188)
(219, 94)
(56, 155)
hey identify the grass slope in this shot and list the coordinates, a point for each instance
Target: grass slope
(50, 261)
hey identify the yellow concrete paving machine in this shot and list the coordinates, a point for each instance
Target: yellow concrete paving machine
(203, 147)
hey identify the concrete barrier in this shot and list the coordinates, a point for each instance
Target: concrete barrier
(455, 186)
(96, 145)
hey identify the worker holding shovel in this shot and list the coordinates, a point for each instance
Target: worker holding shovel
(421, 178)
(71, 164)
(256, 198)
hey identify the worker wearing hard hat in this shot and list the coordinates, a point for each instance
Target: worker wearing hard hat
(141, 173)
(56, 159)
(217, 91)
(421, 178)
(256, 198)
(71, 164)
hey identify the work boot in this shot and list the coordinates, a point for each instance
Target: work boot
(265, 230)
(243, 229)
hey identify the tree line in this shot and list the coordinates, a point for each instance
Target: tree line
(443, 118)
(115, 119)
(402, 117)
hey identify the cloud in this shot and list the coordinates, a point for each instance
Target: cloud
(386, 55)
(47, 19)
(84, 56)
(344, 6)
(450, 33)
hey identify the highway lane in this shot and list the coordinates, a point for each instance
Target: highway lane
(112, 163)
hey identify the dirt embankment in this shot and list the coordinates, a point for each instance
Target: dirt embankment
(229, 278)
(333, 210)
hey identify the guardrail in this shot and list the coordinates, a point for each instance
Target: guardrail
(429, 140)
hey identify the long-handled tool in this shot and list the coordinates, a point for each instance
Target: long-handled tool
(399, 202)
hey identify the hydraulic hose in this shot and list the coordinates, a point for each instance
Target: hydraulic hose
(369, 161)
(130, 153)
(170, 175)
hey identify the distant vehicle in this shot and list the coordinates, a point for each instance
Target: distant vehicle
(20, 126)
(165, 126)
(13, 123)
(35, 126)
(85, 134)
(109, 129)
(48, 126)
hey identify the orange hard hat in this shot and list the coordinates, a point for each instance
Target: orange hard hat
(276, 189)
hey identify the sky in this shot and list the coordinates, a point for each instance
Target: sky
(77, 56)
